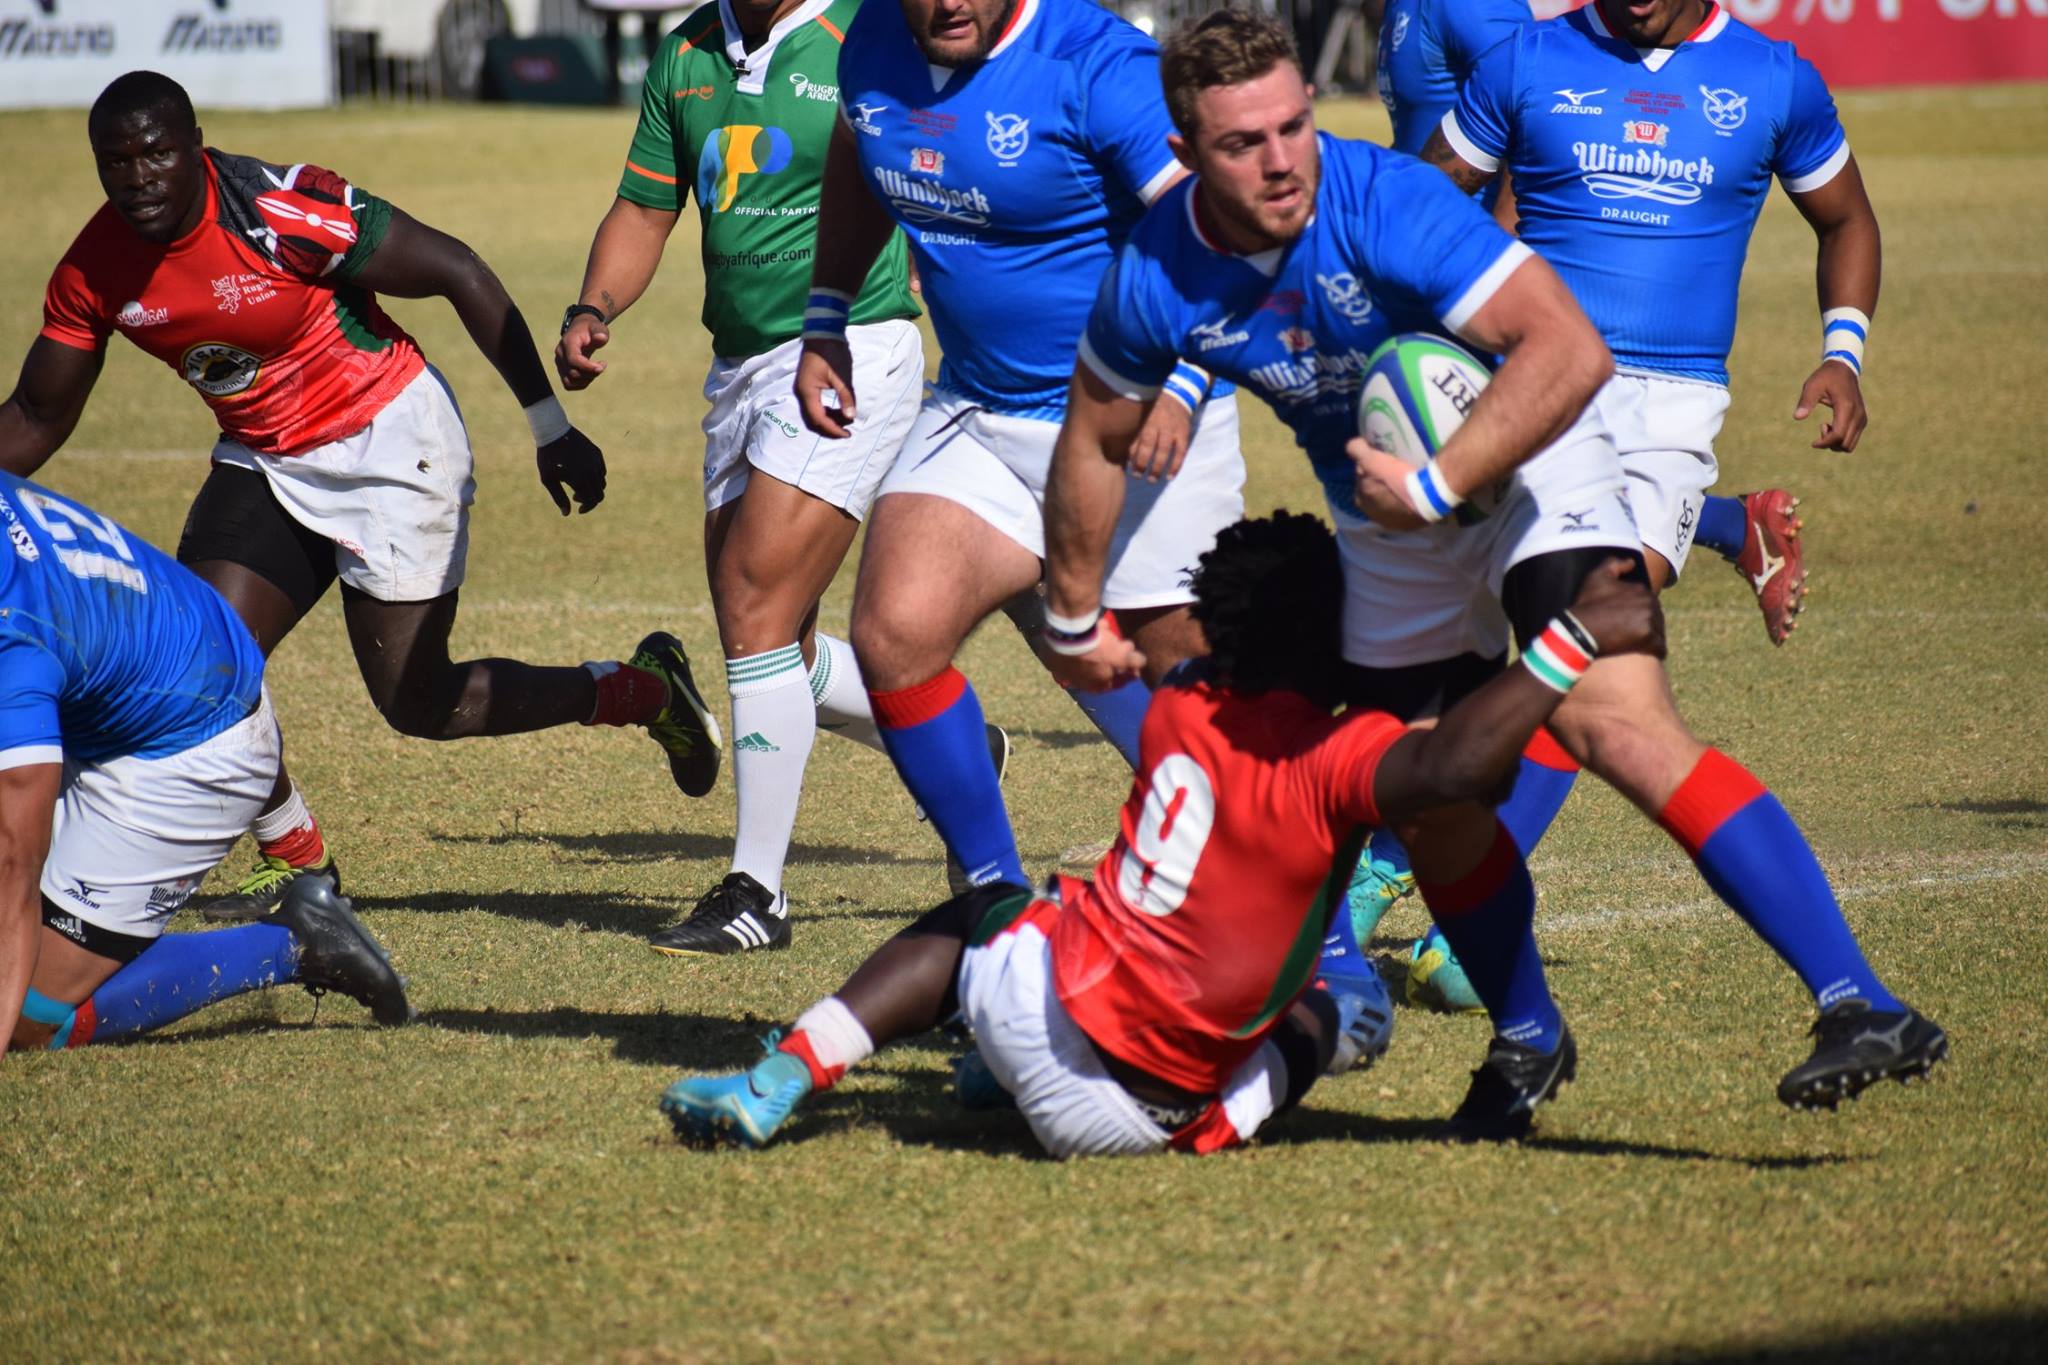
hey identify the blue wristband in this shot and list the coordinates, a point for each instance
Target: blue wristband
(826, 313)
(1189, 384)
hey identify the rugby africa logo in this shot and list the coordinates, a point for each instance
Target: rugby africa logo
(733, 153)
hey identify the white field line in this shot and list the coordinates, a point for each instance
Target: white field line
(2011, 867)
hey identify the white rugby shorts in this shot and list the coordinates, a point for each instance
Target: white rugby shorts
(1414, 597)
(133, 837)
(1664, 429)
(755, 423)
(996, 465)
(394, 497)
(1039, 1054)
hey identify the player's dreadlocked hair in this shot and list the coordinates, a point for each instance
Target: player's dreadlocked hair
(1270, 597)
(144, 92)
(1225, 47)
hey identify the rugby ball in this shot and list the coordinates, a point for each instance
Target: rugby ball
(1418, 389)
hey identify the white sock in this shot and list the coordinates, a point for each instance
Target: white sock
(290, 814)
(841, 696)
(837, 1039)
(774, 723)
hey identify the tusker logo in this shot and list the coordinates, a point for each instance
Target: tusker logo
(920, 202)
(219, 370)
(732, 154)
(1613, 173)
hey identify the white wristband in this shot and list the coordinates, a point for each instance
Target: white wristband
(550, 424)
(1844, 333)
(1073, 645)
(1432, 500)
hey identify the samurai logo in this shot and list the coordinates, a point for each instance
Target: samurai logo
(1008, 136)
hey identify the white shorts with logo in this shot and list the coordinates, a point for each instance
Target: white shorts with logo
(394, 497)
(134, 837)
(1039, 1054)
(755, 423)
(996, 465)
(1414, 597)
(1664, 428)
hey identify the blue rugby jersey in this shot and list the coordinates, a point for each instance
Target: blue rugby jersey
(1427, 49)
(108, 647)
(1639, 174)
(1393, 247)
(1015, 180)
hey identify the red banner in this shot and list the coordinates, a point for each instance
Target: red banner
(1902, 42)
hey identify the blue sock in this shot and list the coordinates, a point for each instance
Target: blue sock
(1343, 967)
(1488, 917)
(1390, 852)
(1119, 714)
(1724, 524)
(1544, 781)
(1756, 860)
(937, 737)
(181, 973)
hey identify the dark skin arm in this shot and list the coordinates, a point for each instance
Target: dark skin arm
(1468, 177)
(28, 799)
(1848, 269)
(415, 261)
(1472, 753)
(40, 414)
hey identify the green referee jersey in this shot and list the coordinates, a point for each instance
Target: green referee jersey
(751, 145)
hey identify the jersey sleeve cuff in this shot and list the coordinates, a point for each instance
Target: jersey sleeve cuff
(1486, 286)
(1467, 150)
(77, 341)
(1821, 174)
(1117, 384)
(1161, 179)
(28, 755)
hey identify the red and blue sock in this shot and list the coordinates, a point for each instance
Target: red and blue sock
(937, 737)
(1543, 782)
(1758, 862)
(1724, 524)
(1118, 713)
(178, 975)
(1488, 917)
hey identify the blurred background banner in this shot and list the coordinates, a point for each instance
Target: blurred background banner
(231, 54)
(1901, 42)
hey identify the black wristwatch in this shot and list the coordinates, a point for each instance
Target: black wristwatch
(571, 313)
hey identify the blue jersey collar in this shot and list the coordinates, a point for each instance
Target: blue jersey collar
(1654, 58)
(1266, 262)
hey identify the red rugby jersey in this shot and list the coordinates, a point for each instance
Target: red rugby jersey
(254, 307)
(1206, 917)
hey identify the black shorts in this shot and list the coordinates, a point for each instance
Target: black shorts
(238, 519)
(122, 948)
(1532, 595)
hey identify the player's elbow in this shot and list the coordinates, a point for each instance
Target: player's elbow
(1583, 363)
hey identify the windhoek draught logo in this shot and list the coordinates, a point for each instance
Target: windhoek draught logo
(217, 369)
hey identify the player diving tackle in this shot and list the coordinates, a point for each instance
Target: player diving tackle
(1167, 1002)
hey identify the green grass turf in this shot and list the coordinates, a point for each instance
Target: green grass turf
(496, 1182)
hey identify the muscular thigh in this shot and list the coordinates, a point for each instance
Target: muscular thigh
(929, 572)
(777, 553)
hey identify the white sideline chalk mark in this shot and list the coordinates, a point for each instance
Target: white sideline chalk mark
(2005, 870)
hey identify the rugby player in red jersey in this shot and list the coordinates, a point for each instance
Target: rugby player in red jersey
(1167, 1003)
(342, 453)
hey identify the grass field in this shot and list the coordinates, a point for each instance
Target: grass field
(264, 1183)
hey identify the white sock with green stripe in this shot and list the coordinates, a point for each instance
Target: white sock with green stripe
(841, 695)
(774, 721)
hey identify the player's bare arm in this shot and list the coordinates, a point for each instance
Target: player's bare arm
(28, 798)
(1466, 176)
(1849, 269)
(40, 414)
(1084, 495)
(623, 258)
(852, 230)
(417, 262)
(1554, 363)
(1473, 752)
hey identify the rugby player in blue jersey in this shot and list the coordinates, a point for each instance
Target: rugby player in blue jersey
(136, 746)
(1301, 253)
(1015, 142)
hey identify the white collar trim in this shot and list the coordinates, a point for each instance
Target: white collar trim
(1266, 262)
(1655, 57)
(753, 66)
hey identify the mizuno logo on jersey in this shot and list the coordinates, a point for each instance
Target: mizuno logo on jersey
(919, 202)
(1575, 102)
(864, 118)
(1214, 336)
(1612, 173)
